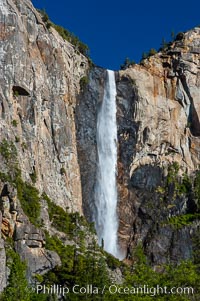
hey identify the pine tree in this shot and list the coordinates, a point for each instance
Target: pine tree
(18, 286)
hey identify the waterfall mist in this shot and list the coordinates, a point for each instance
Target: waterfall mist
(106, 220)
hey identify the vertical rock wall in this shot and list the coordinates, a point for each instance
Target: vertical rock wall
(86, 123)
(40, 74)
(158, 117)
(158, 125)
(52, 124)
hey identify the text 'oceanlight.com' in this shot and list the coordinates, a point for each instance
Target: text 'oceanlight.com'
(114, 290)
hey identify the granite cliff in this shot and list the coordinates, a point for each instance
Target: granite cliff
(48, 142)
(159, 116)
(40, 75)
(158, 146)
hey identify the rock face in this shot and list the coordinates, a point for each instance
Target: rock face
(39, 82)
(86, 123)
(30, 244)
(158, 125)
(49, 122)
(165, 111)
(158, 117)
(29, 240)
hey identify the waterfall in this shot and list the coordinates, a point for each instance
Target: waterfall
(106, 220)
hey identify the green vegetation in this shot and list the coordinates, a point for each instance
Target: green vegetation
(83, 261)
(45, 18)
(172, 173)
(65, 34)
(196, 244)
(69, 223)
(18, 285)
(174, 189)
(8, 150)
(179, 36)
(33, 176)
(59, 218)
(173, 35)
(174, 38)
(152, 51)
(197, 189)
(78, 261)
(183, 220)
(17, 139)
(186, 185)
(79, 266)
(87, 267)
(14, 123)
(112, 262)
(15, 93)
(29, 200)
(4, 177)
(84, 82)
(18, 288)
(164, 45)
(146, 55)
(84, 49)
(26, 193)
(24, 146)
(62, 171)
(127, 63)
(182, 185)
(183, 275)
(74, 40)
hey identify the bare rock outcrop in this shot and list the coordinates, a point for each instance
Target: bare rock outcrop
(158, 117)
(40, 75)
(39, 82)
(86, 127)
(29, 240)
(158, 126)
(48, 121)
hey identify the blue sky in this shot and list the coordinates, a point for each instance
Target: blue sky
(115, 29)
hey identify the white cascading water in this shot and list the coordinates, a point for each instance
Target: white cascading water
(106, 220)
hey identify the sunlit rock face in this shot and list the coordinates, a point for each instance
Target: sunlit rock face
(158, 124)
(53, 125)
(158, 120)
(39, 83)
